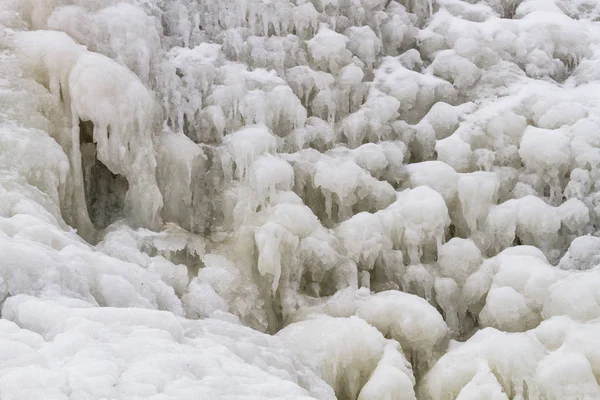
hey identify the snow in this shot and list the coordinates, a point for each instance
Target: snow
(354, 200)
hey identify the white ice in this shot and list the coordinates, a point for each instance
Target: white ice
(325, 199)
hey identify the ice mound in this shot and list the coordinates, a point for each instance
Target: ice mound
(489, 364)
(365, 371)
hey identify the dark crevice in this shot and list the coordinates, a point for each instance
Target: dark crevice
(86, 132)
(104, 191)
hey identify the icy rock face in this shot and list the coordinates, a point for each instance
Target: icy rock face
(356, 199)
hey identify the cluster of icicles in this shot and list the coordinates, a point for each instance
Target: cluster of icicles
(351, 199)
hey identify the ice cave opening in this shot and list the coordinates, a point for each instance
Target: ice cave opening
(104, 191)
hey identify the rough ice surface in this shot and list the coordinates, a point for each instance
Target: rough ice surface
(300, 199)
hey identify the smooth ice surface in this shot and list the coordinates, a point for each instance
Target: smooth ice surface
(300, 199)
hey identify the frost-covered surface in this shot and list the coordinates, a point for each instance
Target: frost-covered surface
(351, 199)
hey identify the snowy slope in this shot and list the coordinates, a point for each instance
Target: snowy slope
(294, 199)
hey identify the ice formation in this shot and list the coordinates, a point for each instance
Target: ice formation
(324, 199)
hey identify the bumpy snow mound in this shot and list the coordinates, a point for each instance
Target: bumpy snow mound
(560, 363)
(359, 199)
(352, 357)
(59, 349)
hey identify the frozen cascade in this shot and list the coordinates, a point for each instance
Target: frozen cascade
(294, 199)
